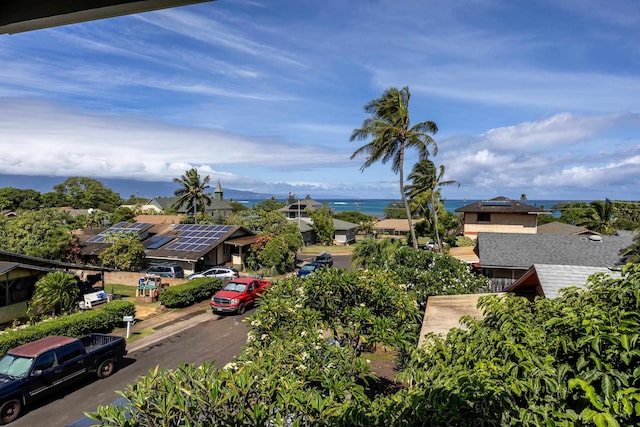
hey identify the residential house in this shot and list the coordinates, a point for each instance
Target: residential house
(393, 227)
(344, 231)
(298, 209)
(193, 246)
(18, 276)
(505, 257)
(500, 215)
(218, 205)
(546, 280)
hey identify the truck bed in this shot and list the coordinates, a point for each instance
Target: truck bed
(93, 342)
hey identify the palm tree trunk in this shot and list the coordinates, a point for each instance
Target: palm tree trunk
(414, 241)
(435, 222)
(195, 211)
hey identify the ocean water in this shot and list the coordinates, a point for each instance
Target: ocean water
(376, 207)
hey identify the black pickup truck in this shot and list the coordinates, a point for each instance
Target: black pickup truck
(41, 367)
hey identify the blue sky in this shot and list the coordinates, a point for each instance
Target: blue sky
(536, 97)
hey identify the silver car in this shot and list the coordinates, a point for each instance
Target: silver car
(217, 272)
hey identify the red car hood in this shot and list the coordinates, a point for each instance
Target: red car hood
(228, 294)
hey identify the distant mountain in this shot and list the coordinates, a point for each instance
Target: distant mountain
(124, 187)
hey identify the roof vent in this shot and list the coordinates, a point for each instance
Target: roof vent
(595, 238)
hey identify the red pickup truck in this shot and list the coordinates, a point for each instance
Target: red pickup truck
(238, 294)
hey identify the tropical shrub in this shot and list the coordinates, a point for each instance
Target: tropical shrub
(189, 293)
(56, 293)
(107, 318)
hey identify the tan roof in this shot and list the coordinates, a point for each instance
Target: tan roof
(159, 219)
(444, 312)
(465, 254)
(394, 224)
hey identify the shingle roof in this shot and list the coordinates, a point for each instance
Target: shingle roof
(521, 251)
(167, 203)
(553, 277)
(501, 204)
(557, 227)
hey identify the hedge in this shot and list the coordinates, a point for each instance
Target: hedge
(190, 293)
(74, 325)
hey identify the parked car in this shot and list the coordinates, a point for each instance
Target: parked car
(324, 258)
(167, 270)
(42, 367)
(309, 268)
(238, 295)
(218, 272)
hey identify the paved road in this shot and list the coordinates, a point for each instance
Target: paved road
(219, 339)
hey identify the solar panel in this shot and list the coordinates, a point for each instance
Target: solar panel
(496, 203)
(137, 226)
(157, 241)
(197, 237)
(98, 238)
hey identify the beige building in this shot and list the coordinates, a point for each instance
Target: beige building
(500, 215)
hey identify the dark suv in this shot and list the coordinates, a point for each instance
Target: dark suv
(167, 270)
(324, 258)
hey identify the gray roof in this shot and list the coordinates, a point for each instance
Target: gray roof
(521, 251)
(167, 203)
(557, 227)
(501, 205)
(553, 277)
(341, 225)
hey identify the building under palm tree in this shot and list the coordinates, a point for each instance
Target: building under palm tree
(217, 206)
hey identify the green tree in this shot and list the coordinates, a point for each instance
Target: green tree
(278, 252)
(14, 198)
(126, 252)
(43, 233)
(373, 254)
(122, 214)
(237, 206)
(322, 224)
(54, 199)
(192, 193)
(601, 217)
(85, 193)
(633, 251)
(426, 179)
(391, 133)
(55, 293)
(395, 210)
(271, 204)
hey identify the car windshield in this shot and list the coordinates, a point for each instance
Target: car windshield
(15, 366)
(308, 267)
(235, 287)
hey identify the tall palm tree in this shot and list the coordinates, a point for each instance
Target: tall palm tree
(192, 191)
(601, 217)
(390, 132)
(426, 178)
(55, 293)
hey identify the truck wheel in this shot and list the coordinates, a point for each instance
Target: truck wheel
(10, 410)
(106, 368)
(241, 308)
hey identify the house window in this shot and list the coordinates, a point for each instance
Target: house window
(484, 217)
(226, 250)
